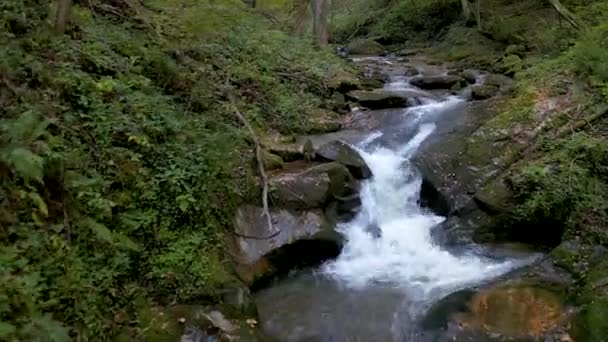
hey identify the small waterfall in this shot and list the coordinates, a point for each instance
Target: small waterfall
(404, 254)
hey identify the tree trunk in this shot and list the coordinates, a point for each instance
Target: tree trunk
(478, 14)
(64, 9)
(466, 10)
(320, 31)
(301, 16)
(569, 16)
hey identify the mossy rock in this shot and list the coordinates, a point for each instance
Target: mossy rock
(343, 81)
(323, 121)
(591, 323)
(272, 161)
(365, 46)
(483, 91)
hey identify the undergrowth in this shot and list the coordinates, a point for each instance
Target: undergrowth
(121, 160)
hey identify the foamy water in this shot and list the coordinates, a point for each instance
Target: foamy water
(404, 254)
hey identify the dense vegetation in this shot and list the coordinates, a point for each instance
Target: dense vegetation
(122, 159)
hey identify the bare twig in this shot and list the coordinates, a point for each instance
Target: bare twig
(260, 161)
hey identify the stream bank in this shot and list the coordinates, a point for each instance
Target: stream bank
(398, 257)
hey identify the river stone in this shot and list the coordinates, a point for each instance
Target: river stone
(272, 161)
(483, 91)
(343, 153)
(452, 165)
(500, 313)
(323, 121)
(254, 243)
(382, 99)
(365, 46)
(470, 76)
(437, 82)
(343, 82)
(311, 188)
(299, 191)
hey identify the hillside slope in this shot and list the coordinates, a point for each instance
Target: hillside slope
(122, 160)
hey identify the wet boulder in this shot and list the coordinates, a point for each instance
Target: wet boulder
(520, 312)
(382, 99)
(455, 162)
(343, 153)
(294, 239)
(438, 82)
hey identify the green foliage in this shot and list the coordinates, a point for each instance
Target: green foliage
(590, 55)
(566, 187)
(121, 162)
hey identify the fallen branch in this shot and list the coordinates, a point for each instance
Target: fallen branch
(583, 122)
(260, 160)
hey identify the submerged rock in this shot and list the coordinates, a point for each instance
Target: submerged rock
(500, 313)
(343, 153)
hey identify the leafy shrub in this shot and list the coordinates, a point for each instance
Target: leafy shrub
(121, 161)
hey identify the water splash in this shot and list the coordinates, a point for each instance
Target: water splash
(404, 254)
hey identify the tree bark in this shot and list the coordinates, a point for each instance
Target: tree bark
(478, 14)
(64, 9)
(301, 15)
(320, 30)
(569, 16)
(466, 10)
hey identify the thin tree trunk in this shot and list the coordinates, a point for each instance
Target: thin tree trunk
(319, 13)
(466, 10)
(569, 16)
(64, 9)
(302, 16)
(478, 14)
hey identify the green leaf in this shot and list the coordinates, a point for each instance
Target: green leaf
(42, 207)
(6, 329)
(25, 163)
(101, 231)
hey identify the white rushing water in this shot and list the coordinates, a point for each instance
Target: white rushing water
(404, 254)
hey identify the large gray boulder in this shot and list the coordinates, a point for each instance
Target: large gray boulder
(381, 99)
(300, 191)
(261, 251)
(312, 188)
(343, 153)
(438, 81)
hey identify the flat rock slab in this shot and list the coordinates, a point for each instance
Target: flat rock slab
(438, 82)
(380, 99)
